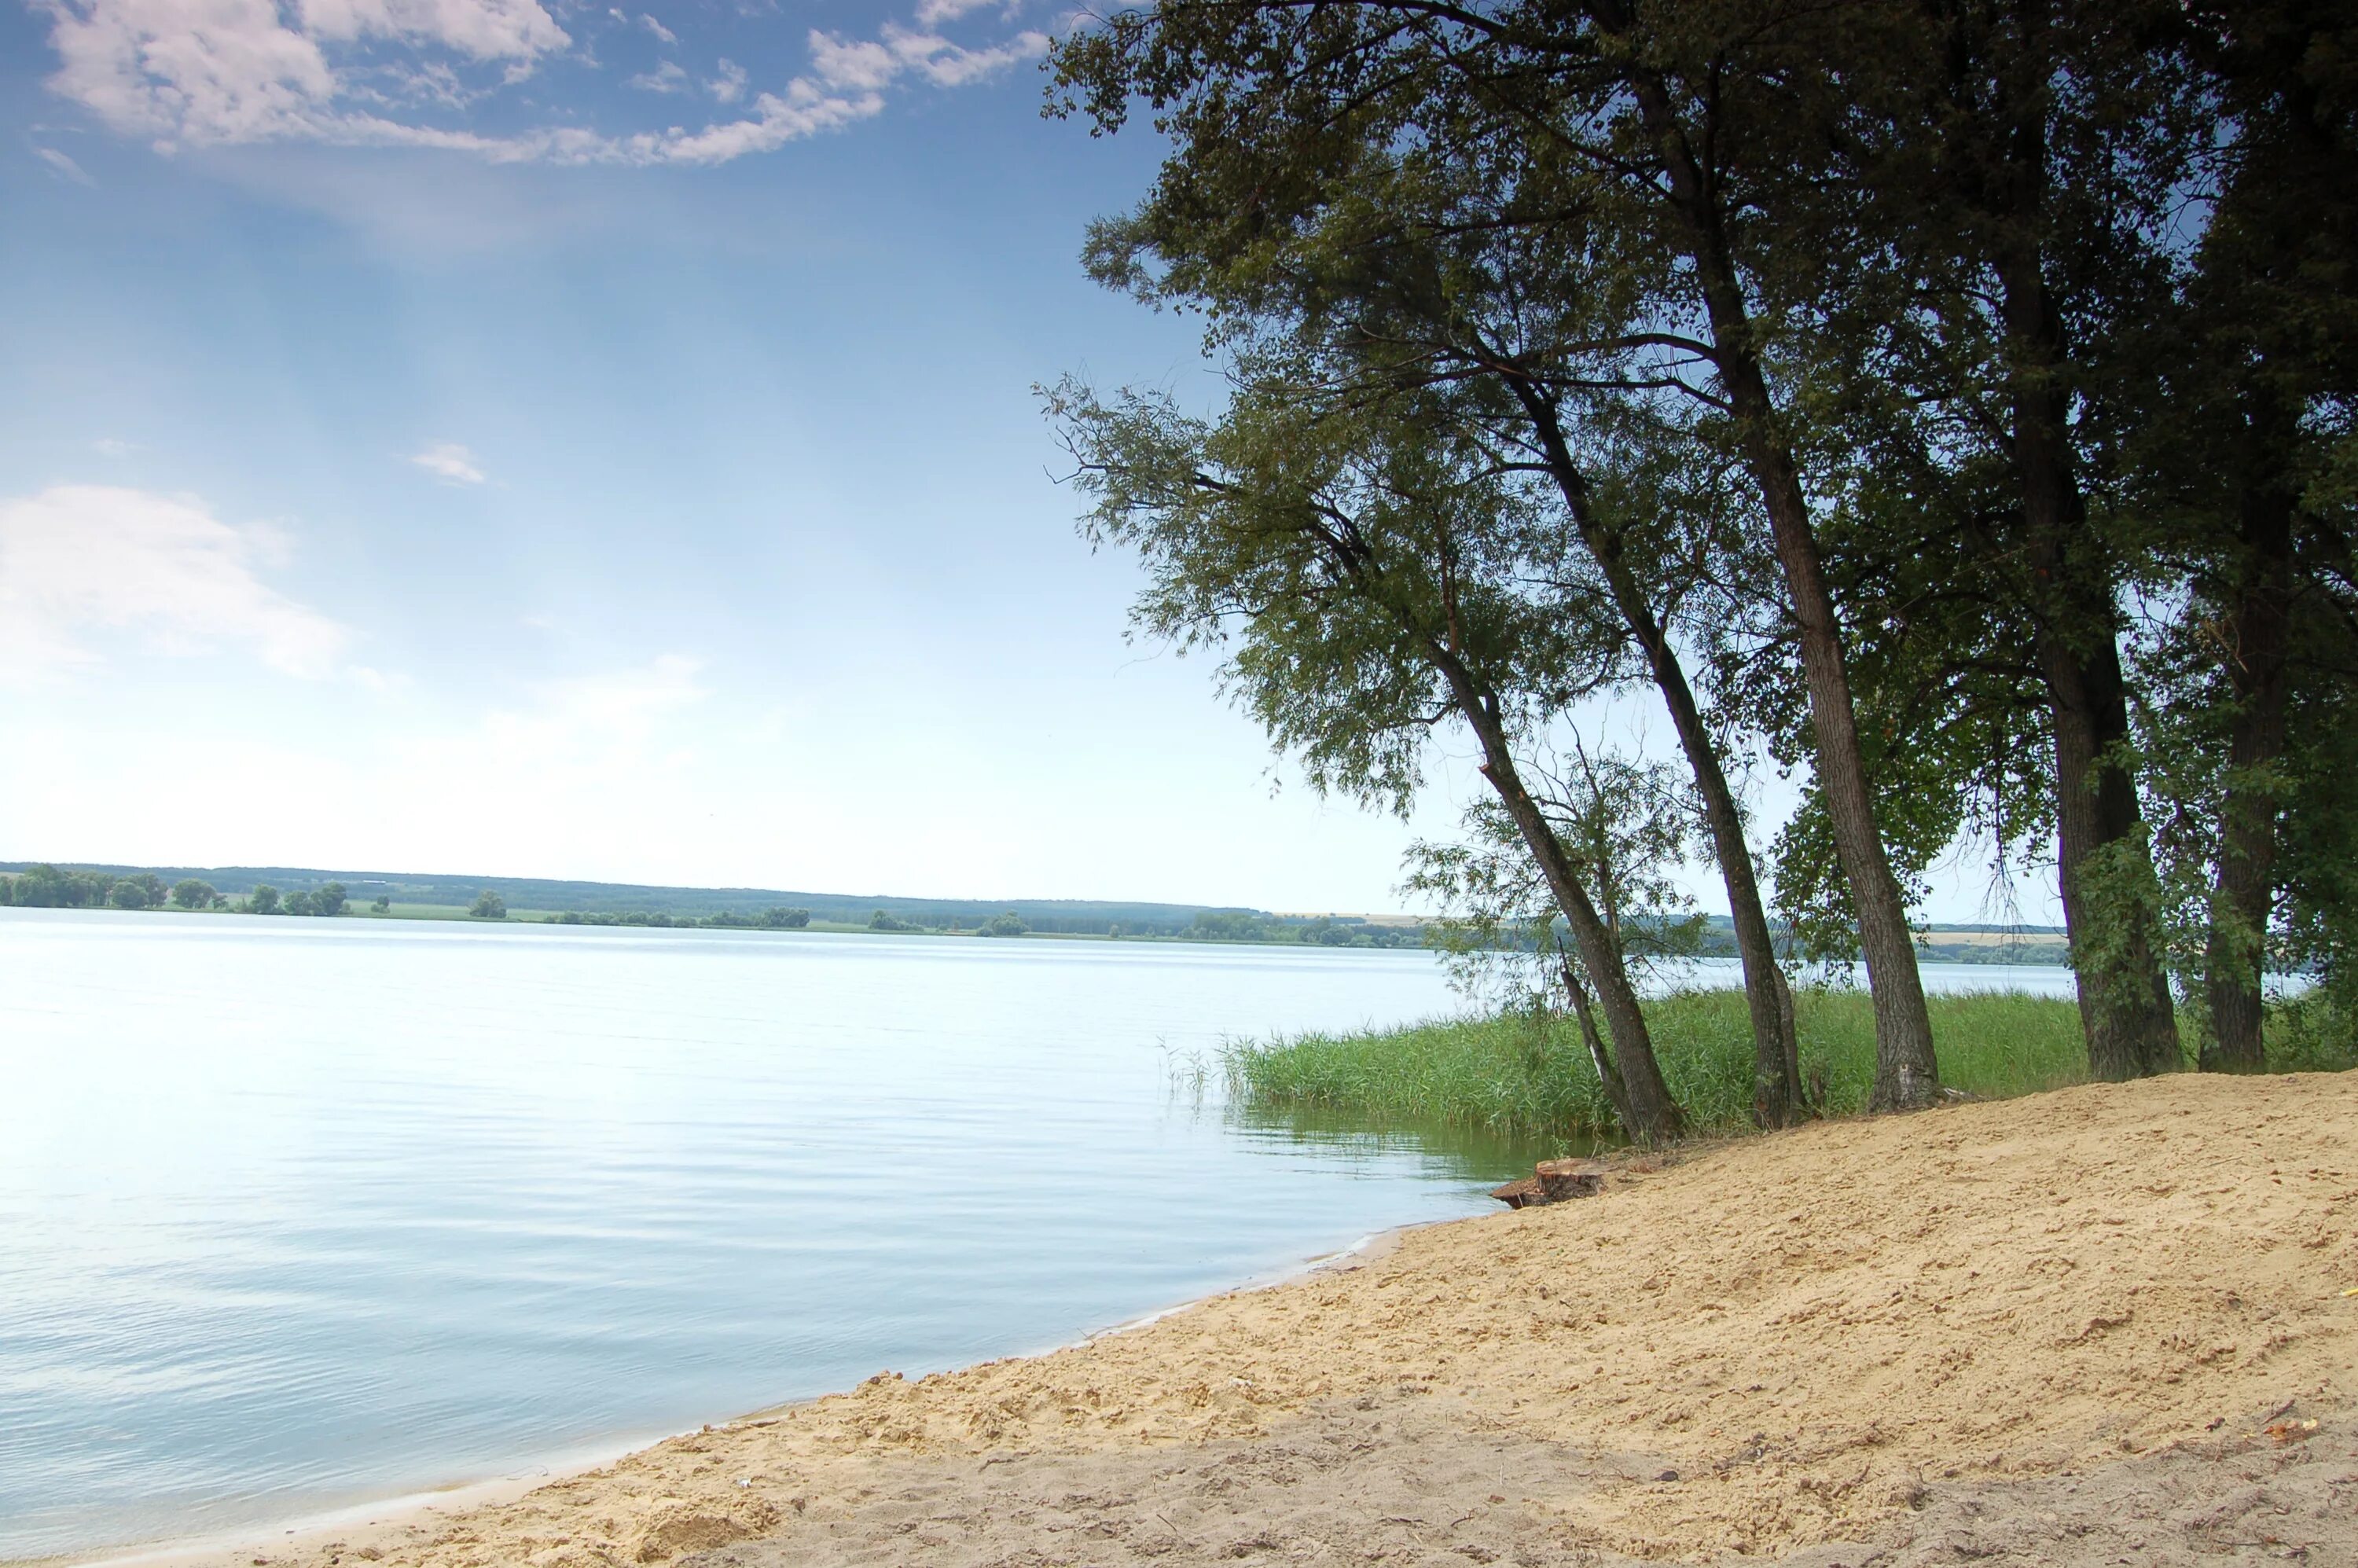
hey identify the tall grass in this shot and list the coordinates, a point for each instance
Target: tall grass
(1517, 1073)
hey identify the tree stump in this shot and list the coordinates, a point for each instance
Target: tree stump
(1562, 1179)
(1515, 1194)
(1553, 1181)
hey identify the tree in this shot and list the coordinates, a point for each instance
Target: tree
(143, 891)
(263, 900)
(1964, 209)
(2237, 436)
(1629, 822)
(328, 899)
(1410, 286)
(783, 919)
(1566, 130)
(191, 893)
(1007, 925)
(489, 905)
(299, 903)
(880, 921)
(1351, 556)
(383, 905)
(43, 886)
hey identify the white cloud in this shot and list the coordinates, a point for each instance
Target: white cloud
(869, 64)
(63, 166)
(77, 559)
(205, 72)
(666, 77)
(113, 447)
(480, 29)
(451, 462)
(932, 13)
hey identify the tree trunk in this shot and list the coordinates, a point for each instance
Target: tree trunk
(1607, 1073)
(1648, 1112)
(1906, 1073)
(2258, 633)
(1778, 1100)
(2105, 861)
(2105, 869)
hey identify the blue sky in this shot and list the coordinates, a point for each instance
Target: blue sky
(554, 440)
(419, 455)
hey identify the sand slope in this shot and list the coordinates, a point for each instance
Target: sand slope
(1827, 1336)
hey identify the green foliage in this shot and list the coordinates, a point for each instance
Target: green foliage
(383, 904)
(1007, 925)
(1527, 1073)
(2314, 1033)
(1317, 931)
(884, 922)
(1628, 824)
(193, 893)
(44, 886)
(144, 891)
(2049, 324)
(489, 905)
(263, 900)
(779, 918)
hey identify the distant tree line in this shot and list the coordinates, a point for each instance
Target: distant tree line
(46, 886)
(775, 919)
(1317, 931)
(50, 887)
(329, 899)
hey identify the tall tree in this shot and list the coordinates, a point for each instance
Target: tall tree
(2254, 377)
(1998, 175)
(1533, 120)
(1365, 563)
(1413, 287)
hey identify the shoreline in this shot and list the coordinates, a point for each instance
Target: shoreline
(2068, 1322)
(368, 1522)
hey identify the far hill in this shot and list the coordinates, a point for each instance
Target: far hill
(435, 894)
(1062, 915)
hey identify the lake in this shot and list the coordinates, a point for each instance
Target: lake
(297, 1214)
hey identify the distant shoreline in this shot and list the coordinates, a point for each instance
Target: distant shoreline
(529, 899)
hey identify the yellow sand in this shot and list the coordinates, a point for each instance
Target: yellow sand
(1809, 1327)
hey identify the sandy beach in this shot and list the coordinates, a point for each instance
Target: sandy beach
(2115, 1322)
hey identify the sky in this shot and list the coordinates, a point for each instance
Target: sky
(550, 440)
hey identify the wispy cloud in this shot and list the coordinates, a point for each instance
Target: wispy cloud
(63, 166)
(934, 13)
(451, 462)
(666, 77)
(869, 64)
(113, 447)
(79, 561)
(228, 72)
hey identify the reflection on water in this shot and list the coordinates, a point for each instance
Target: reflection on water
(1455, 1154)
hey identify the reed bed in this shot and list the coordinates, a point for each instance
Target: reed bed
(1530, 1076)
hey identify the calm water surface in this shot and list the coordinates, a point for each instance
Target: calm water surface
(294, 1214)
